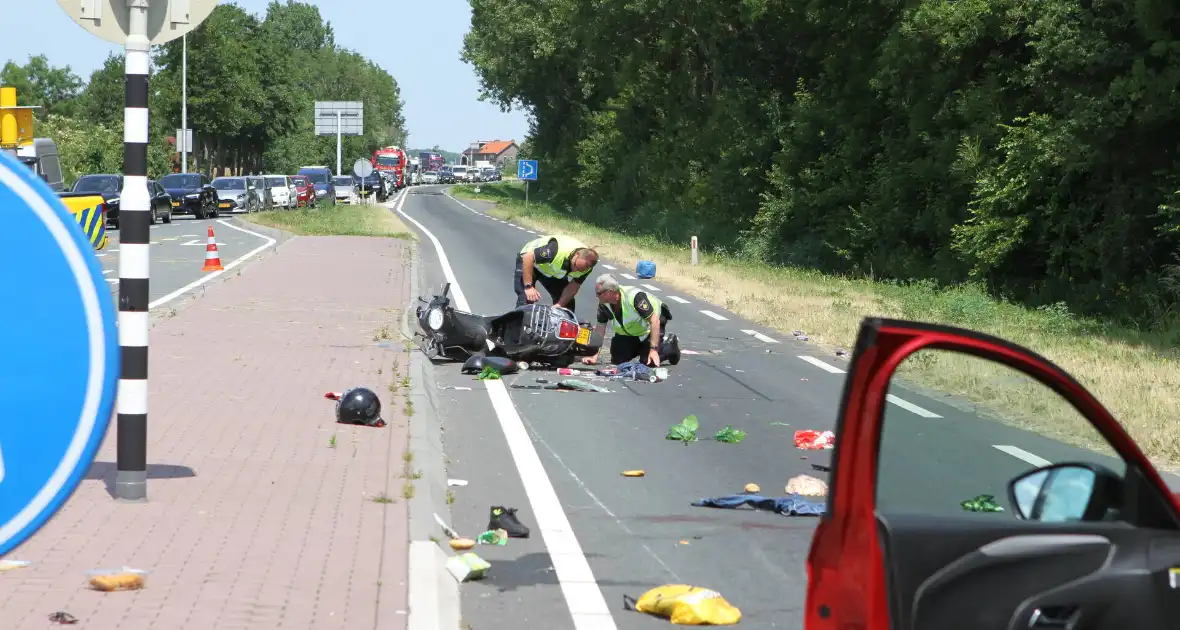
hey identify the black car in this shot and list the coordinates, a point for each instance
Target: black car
(192, 193)
(373, 184)
(161, 202)
(109, 186)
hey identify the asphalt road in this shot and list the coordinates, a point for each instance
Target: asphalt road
(638, 533)
(178, 251)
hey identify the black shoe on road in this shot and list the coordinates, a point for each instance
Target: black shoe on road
(505, 518)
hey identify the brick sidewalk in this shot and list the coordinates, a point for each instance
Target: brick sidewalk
(254, 520)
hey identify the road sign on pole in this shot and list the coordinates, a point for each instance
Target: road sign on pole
(527, 170)
(362, 168)
(60, 364)
(339, 118)
(184, 140)
(137, 24)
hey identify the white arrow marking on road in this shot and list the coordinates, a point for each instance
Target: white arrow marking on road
(759, 336)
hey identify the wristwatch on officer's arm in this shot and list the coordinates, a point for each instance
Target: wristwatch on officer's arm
(528, 285)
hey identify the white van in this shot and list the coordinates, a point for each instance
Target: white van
(41, 156)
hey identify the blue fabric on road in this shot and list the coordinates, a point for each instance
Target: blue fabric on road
(790, 505)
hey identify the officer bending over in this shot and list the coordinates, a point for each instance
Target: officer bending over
(559, 263)
(636, 318)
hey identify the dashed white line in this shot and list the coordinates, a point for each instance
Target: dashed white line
(715, 316)
(678, 299)
(911, 407)
(1022, 455)
(112, 280)
(608, 267)
(106, 271)
(627, 276)
(649, 287)
(760, 337)
(827, 367)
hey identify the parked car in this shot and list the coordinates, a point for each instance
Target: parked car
(430, 177)
(107, 185)
(261, 191)
(233, 195)
(191, 193)
(345, 188)
(305, 191)
(282, 190)
(321, 178)
(161, 202)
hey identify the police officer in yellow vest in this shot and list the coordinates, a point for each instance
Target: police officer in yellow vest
(636, 317)
(559, 263)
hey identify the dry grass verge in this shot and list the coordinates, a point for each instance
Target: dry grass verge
(358, 220)
(1135, 373)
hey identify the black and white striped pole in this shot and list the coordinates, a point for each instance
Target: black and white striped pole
(148, 22)
(134, 264)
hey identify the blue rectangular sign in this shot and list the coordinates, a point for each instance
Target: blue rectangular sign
(527, 170)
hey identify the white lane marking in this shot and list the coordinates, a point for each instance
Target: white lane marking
(1022, 455)
(203, 241)
(102, 255)
(608, 267)
(111, 251)
(113, 280)
(678, 299)
(583, 597)
(715, 316)
(627, 276)
(827, 367)
(106, 271)
(911, 407)
(759, 336)
(192, 285)
(649, 287)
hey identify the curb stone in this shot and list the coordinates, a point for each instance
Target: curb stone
(433, 595)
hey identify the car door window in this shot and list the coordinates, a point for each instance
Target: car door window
(957, 427)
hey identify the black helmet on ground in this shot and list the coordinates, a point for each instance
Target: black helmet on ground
(359, 405)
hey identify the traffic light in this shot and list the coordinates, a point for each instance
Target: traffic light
(16, 122)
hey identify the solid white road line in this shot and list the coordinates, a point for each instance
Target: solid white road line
(649, 287)
(582, 594)
(192, 285)
(627, 276)
(678, 299)
(911, 407)
(759, 336)
(827, 367)
(715, 316)
(1022, 455)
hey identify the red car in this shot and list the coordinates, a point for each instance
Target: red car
(1087, 539)
(306, 191)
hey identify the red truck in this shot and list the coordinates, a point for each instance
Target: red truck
(391, 159)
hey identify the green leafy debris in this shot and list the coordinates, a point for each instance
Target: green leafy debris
(730, 435)
(982, 503)
(686, 431)
(488, 373)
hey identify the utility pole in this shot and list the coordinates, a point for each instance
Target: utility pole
(184, 105)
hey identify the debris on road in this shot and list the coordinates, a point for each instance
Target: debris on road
(791, 505)
(686, 431)
(502, 365)
(689, 352)
(752, 488)
(456, 482)
(807, 486)
(645, 269)
(578, 385)
(462, 544)
(779, 424)
(488, 373)
(685, 605)
(821, 468)
(505, 518)
(468, 567)
(125, 579)
(812, 440)
(456, 388)
(730, 435)
(634, 473)
(358, 406)
(982, 503)
(63, 618)
(493, 537)
(8, 565)
(451, 533)
(841, 352)
(799, 335)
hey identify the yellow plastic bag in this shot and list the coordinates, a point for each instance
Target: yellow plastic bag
(686, 605)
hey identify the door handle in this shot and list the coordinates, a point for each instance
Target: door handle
(1055, 617)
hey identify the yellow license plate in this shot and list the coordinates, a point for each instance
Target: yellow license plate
(175, 204)
(584, 336)
(223, 205)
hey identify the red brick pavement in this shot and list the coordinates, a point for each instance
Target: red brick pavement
(274, 528)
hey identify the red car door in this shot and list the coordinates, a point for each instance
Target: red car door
(1089, 542)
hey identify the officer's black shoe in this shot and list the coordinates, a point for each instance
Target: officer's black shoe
(671, 348)
(505, 518)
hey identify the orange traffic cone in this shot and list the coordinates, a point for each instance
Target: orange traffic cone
(212, 257)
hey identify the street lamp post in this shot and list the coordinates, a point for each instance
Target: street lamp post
(184, 106)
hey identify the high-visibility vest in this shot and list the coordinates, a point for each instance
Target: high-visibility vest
(565, 247)
(633, 324)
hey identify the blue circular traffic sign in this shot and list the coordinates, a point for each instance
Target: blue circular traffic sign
(59, 367)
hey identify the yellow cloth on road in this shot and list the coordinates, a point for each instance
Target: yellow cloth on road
(686, 605)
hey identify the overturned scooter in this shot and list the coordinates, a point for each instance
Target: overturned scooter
(536, 333)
